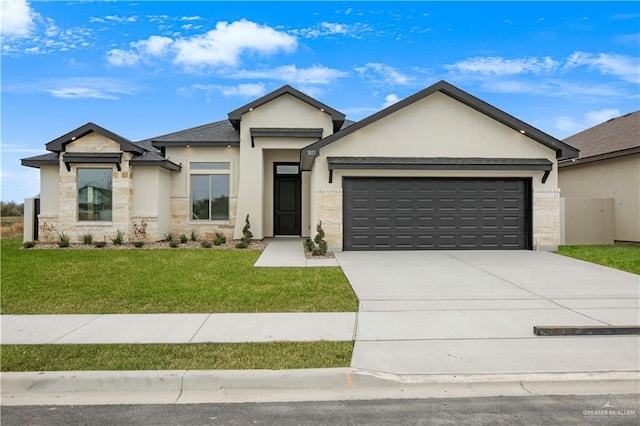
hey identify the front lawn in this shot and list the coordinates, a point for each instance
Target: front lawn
(623, 257)
(197, 356)
(95, 281)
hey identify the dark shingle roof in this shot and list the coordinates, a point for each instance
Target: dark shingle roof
(152, 159)
(58, 144)
(438, 162)
(219, 131)
(49, 159)
(613, 138)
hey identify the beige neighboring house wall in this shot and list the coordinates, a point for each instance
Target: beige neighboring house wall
(617, 179)
(608, 168)
(432, 127)
(255, 195)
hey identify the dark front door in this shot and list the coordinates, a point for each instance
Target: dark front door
(287, 204)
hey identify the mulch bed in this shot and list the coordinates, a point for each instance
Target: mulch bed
(257, 245)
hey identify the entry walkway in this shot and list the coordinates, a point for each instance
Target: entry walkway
(288, 251)
(177, 328)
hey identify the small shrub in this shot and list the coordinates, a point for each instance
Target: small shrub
(118, 239)
(169, 237)
(205, 244)
(183, 238)
(29, 244)
(100, 244)
(241, 245)
(219, 239)
(246, 233)
(308, 245)
(194, 235)
(63, 240)
(87, 239)
(174, 244)
(320, 244)
(138, 244)
(140, 230)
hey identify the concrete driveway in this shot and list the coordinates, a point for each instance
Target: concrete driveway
(465, 312)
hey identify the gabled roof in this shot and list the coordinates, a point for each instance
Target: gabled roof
(614, 138)
(57, 145)
(220, 133)
(562, 149)
(337, 117)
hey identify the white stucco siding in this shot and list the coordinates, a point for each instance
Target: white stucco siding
(146, 191)
(49, 191)
(164, 202)
(184, 156)
(255, 195)
(438, 126)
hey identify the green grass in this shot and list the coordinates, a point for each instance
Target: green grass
(201, 356)
(162, 281)
(623, 257)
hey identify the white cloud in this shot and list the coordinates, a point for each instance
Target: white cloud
(290, 73)
(247, 90)
(324, 29)
(554, 88)
(190, 18)
(80, 93)
(154, 45)
(224, 45)
(120, 19)
(122, 58)
(383, 73)
(390, 100)
(625, 67)
(496, 65)
(569, 125)
(17, 18)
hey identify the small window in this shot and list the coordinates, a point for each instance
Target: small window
(210, 166)
(95, 194)
(287, 169)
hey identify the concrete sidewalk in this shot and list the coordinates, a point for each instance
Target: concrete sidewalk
(288, 252)
(177, 328)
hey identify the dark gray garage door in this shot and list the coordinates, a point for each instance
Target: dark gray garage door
(436, 214)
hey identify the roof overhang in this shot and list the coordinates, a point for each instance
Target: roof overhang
(37, 163)
(165, 164)
(599, 157)
(92, 158)
(284, 132)
(58, 145)
(194, 144)
(438, 163)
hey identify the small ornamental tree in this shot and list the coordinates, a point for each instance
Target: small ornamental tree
(246, 235)
(320, 243)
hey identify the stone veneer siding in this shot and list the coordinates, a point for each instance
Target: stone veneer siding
(546, 219)
(181, 223)
(545, 216)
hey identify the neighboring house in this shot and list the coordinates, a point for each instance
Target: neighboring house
(601, 188)
(440, 169)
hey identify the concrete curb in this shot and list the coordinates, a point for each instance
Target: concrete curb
(235, 386)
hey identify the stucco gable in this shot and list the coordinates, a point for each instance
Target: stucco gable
(337, 117)
(561, 149)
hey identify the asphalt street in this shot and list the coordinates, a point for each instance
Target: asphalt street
(538, 410)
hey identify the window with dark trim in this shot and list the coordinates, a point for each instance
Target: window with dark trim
(210, 184)
(95, 194)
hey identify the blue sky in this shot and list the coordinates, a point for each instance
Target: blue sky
(142, 69)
